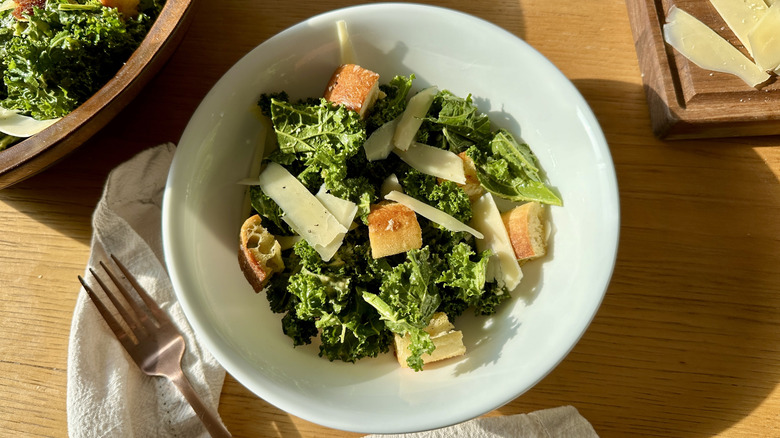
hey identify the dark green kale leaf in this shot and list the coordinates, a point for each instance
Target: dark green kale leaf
(317, 142)
(446, 196)
(392, 105)
(326, 296)
(268, 209)
(300, 330)
(510, 169)
(455, 124)
(407, 300)
(493, 296)
(355, 334)
(463, 277)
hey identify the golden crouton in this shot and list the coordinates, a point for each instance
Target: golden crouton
(525, 227)
(354, 87)
(448, 341)
(472, 187)
(259, 254)
(393, 229)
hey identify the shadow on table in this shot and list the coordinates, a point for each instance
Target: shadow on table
(686, 341)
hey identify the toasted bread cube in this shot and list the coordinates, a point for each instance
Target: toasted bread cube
(354, 87)
(393, 229)
(473, 187)
(448, 341)
(259, 254)
(525, 227)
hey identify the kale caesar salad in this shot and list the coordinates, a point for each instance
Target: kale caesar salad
(55, 54)
(375, 221)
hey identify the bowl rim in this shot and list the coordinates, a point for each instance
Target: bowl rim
(220, 351)
(40, 151)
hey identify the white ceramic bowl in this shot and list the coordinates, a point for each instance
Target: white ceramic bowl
(507, 353)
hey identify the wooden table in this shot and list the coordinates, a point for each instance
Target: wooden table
(686, 344)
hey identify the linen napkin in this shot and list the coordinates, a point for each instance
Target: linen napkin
(560, 422)
(107, 395)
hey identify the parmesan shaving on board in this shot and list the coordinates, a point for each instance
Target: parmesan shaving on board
(705, 48)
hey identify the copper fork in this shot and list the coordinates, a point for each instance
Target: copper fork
(153, 342)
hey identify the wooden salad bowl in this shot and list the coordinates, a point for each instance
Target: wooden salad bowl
(36, 153)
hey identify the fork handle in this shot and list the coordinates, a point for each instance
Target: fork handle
(210, 420)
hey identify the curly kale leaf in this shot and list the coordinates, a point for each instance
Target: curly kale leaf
(318, 142)
(392, 105)
(510, 169)
(325, 298)
(464, 276)
(446, 196)
(455, 124)
(493, 296)
(407, 300)
(268, 209)
(312, 129)
(354, 334)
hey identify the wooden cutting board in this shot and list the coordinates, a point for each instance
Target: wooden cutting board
(687, 101)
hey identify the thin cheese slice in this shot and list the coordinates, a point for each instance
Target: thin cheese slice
(433, 161)
(302, 211)
(741, 16)
(379, 144)
(765, 40)
(7, 5)
(432, 213)
(344, 211)
(389, 184)
(411, 118)
(503, 265)
(705, 48)
(345, 44)
(18, 125)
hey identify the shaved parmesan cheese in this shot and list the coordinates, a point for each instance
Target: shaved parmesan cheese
(7, 5)
(389, 184)
(343, 210)
(741, 16)
(432, 213)
(302, 211)
(287, 242)
(379, 144)
(411, 118)
(434, 161)
(707, 49)
(18, 125)
(765, 40)
(345, 44)
(503, 265)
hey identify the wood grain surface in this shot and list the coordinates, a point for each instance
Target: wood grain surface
(687, 101)
(686, 343)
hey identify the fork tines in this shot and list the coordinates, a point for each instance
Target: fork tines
(140, 318)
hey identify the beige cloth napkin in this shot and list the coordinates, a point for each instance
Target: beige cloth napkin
(107, 395)
(561, 422)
